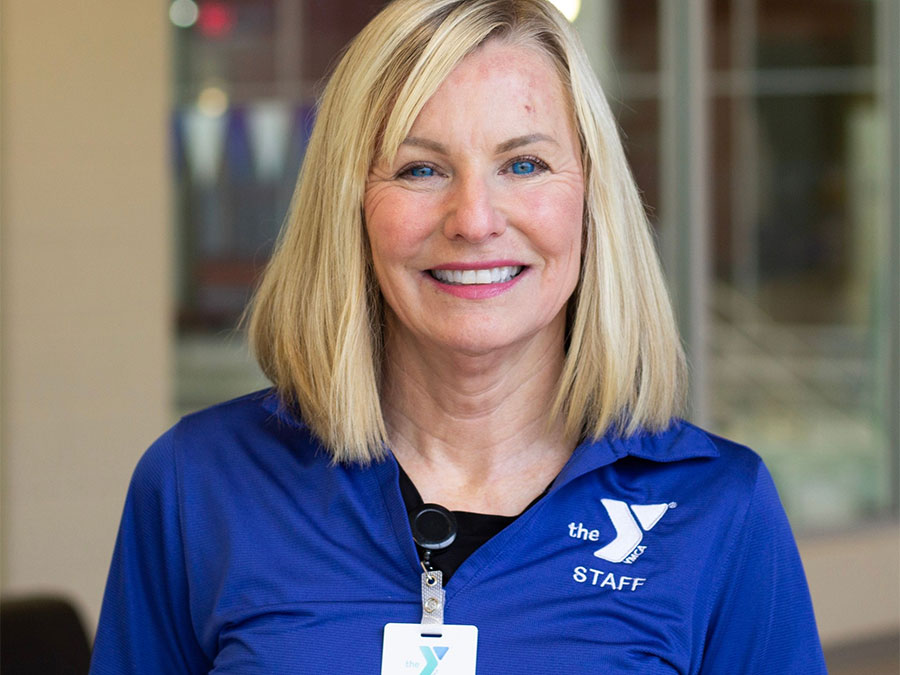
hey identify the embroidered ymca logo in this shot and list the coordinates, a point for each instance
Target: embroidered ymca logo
(432, 656)
(628, 521)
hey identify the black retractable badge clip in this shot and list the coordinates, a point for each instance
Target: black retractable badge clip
(433, 529)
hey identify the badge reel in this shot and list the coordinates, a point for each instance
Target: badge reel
(430, 646)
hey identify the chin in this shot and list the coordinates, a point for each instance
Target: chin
(482, 342)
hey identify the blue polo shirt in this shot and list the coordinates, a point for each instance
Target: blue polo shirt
(244, 549)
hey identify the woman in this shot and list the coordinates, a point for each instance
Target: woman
(465, 309)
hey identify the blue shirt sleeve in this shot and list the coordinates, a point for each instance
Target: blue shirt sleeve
(762, 620)
(145, 623)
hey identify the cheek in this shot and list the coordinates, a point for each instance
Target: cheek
(394, 228)
(558, 227)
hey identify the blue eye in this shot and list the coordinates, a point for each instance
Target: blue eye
(421, 172)
(523, 167)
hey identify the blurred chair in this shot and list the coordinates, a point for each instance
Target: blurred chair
(42, 635)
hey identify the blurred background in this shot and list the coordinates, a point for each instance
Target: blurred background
(149, 151)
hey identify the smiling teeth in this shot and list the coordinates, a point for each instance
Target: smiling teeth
(495, 275)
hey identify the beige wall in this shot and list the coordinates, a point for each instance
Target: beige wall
(85, 279)
(854, 579)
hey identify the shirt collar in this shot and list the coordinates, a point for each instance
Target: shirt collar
(680, 441)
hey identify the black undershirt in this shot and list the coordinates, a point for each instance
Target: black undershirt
(473, 529)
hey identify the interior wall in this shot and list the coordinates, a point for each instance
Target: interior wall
(854, 579)
(85, 266)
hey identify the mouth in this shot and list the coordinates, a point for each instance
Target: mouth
(479, 277)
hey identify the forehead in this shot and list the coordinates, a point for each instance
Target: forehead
(500, 55)
(509, 77)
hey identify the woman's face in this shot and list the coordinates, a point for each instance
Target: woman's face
(475, 227)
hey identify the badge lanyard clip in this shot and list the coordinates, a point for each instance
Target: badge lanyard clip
(432, 596)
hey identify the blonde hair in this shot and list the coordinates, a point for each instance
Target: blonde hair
(316, 321)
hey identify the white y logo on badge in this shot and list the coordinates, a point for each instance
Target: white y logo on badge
(626, 546)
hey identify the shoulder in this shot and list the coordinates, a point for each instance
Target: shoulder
(259, 414)
(228, 437)
(727, 482)
(741, 471)
(244, 412)
(725, 494)
(738, 466)
(686, 449)
(735, 483)
(730, 455)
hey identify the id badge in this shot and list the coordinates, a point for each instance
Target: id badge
(429, 649)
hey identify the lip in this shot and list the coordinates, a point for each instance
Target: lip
(477, 291)
(486, 265)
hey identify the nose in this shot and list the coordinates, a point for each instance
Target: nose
(473, 213)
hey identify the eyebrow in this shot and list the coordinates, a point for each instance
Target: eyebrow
(519, 141)
(505, 146)
(425, 143)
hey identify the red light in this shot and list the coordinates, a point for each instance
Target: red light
(216, 19)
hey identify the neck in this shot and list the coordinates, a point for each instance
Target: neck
(473, 431)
